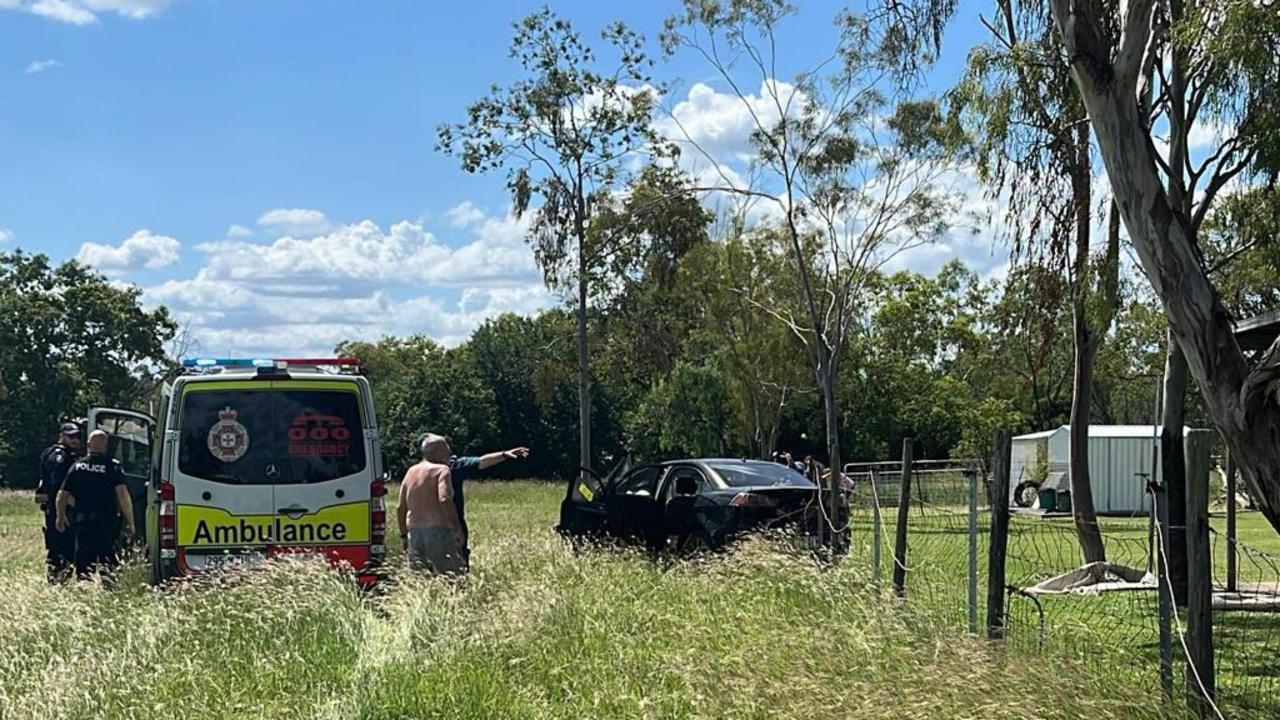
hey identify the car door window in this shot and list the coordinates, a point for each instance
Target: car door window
(642, 483)
(669, 488)
(130, 442)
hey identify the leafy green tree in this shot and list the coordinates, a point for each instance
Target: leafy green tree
(419, 386)
(566, 134)
(851, 174)
(732, 282)
(1241, 240)
(529, 365)
(685, 414)
(69, 339)
(1033, 148)
(648, 307)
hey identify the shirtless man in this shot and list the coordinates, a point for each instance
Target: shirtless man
(428, 520)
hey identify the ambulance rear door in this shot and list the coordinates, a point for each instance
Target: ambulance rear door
(227, 439)
(327, 461)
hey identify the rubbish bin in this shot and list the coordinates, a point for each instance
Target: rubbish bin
(1064, 501)
(1048, 500)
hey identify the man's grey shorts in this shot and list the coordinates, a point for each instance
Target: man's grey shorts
(434, 549)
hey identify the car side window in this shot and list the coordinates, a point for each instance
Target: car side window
(643, 482)
(669, 489)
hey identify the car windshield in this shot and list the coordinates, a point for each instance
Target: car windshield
(759, 474)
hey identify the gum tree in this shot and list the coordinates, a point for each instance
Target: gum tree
(1033, 151)
(566, 134)
(852, 177)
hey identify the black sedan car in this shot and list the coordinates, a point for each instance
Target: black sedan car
(692, 505)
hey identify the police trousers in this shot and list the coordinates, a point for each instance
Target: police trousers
(96, 551)
(59, 549)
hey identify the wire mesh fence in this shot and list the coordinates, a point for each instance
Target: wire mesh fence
(1106, 615)
(1246, 626)
(946, 523)
(1112, 624)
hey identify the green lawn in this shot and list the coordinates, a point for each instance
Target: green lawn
(1116, 633)
(535, 632)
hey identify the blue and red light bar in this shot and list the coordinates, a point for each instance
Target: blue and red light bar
(268, 362)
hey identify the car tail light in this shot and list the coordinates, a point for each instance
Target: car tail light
(746, 499)
(377, 521)
(168, 520)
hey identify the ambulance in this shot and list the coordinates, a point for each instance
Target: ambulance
(251, 459)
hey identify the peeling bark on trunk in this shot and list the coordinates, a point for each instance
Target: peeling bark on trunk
(1237, 398)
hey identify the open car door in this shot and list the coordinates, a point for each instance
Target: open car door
(131, 436)
(584, 510)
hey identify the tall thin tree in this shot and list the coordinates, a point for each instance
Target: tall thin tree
(854, 178)
(567, 134)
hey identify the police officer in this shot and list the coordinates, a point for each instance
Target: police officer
(95, 491)
(55, 461)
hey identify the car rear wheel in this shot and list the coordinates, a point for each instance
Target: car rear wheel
(696, 544)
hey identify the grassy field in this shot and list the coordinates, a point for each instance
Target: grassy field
(1115, 633)
(534, 632)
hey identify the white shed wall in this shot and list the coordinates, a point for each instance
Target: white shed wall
(1116, 463)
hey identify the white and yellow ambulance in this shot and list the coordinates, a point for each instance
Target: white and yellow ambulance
(251, 459)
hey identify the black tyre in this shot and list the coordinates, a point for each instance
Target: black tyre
(1024, 496)
(696, 544)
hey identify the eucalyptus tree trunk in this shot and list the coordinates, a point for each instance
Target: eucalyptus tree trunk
(1237, 397)
(1173, 467)
(584, 368)
(827, 379)
(1086, 349)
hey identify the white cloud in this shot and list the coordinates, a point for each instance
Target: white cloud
(357, 281)
(363, 253)
(1206, 134)
(84, 12)
(238, 231)
(301, 222)
(721, 123)
(464, 214)
(143, 250)
(5, 235)
(36, 67)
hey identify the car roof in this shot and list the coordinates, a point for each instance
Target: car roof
(718, 461)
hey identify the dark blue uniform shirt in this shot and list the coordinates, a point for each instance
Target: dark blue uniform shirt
(462, 469)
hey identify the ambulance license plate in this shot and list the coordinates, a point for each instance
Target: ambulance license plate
(216, 562)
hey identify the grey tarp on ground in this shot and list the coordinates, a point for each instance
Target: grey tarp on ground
(1095, 578)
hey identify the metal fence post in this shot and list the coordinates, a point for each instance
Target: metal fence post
(973, 550)
(1232, 560)
(1199, 637)
(1160, 513)
(876, 527)
(904, 508)
(999, 535)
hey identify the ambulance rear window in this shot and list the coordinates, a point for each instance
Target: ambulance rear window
(270, 436)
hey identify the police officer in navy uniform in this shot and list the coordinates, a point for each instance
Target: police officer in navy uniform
(95, 494)
(55, 461)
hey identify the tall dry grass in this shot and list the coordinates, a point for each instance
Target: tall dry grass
(535, 632)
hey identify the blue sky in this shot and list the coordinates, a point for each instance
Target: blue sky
(266, 167)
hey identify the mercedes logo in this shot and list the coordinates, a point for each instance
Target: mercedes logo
(273, 471)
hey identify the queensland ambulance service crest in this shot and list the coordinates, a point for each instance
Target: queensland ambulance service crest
(228, 440)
